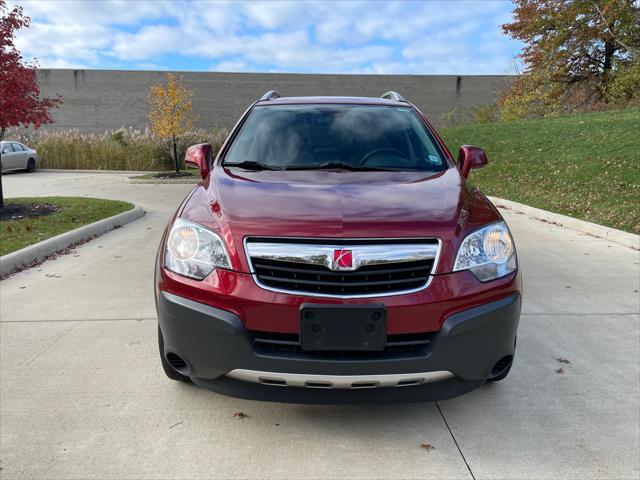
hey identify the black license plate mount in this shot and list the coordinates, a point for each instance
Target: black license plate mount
(357, 327)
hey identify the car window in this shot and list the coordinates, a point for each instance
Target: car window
(6, 148)
(358, 135)
(17, 147)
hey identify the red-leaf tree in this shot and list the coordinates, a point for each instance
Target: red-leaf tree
(20, 102)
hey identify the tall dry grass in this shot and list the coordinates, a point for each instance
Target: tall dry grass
(124, 149)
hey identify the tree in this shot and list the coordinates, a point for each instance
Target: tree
(574, 50)
(20, 102)
(169, 111)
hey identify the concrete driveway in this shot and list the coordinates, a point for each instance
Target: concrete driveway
(83, 394)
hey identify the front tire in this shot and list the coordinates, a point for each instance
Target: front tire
(31, 165)
(168, 369)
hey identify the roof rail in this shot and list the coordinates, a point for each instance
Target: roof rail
(270, 95)
(391, 95)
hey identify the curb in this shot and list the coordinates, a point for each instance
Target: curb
(73, 170)
(24, 257)
(607, 233)
(191, 181)
(195, 180)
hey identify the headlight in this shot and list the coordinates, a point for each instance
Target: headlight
(489, 253)
(194, 251)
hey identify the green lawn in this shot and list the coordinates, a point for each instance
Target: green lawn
(584, 165)
(73, 213)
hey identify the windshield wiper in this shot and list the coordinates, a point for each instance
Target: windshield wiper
(251, 165)
(340, 166)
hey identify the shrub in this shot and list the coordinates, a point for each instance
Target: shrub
(530, 96)
(625, 87)
(486, 113)
(123, 149)
(460, 116)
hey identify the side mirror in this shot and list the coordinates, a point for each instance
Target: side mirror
(199, 156)
(471, 157)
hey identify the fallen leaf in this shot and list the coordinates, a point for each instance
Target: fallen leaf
(28, 227)
(427, 446)
(563, 360)
(9, 229)
(240, 415)
(560, 370)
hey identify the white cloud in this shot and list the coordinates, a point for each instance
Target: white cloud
(62, 63)
(70, 42)
(146, 43)
(275, 14)
(103, 12)
(353, 37)
(232, 66)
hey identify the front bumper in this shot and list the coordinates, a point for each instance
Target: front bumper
(214, 342)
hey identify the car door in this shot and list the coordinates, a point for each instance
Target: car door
(8, 158)
(21, 155)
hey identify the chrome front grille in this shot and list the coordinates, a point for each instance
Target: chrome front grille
(374, 267)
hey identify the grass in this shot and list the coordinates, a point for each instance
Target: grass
(73, 212)
(584, 165)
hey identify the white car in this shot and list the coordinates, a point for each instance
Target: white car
(16, 156)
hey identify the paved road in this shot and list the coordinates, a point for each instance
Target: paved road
(83, 394)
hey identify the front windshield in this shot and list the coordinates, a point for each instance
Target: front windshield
(352, 136)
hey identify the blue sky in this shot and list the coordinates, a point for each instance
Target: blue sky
(415, 37)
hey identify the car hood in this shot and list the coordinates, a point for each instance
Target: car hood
(337, 204)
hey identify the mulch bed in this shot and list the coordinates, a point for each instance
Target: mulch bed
(17, 211)
(173, 175)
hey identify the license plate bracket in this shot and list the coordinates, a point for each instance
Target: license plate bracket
(357, 327)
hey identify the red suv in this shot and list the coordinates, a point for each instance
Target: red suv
(334, 252)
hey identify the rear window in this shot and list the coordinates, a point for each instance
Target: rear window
(358, 135)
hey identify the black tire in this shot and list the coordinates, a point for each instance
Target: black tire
(168, 369)
(502, 376)
(31, 165)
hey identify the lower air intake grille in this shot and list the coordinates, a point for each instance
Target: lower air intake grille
(288, 344)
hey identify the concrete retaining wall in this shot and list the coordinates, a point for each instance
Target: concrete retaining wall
(99, 100)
